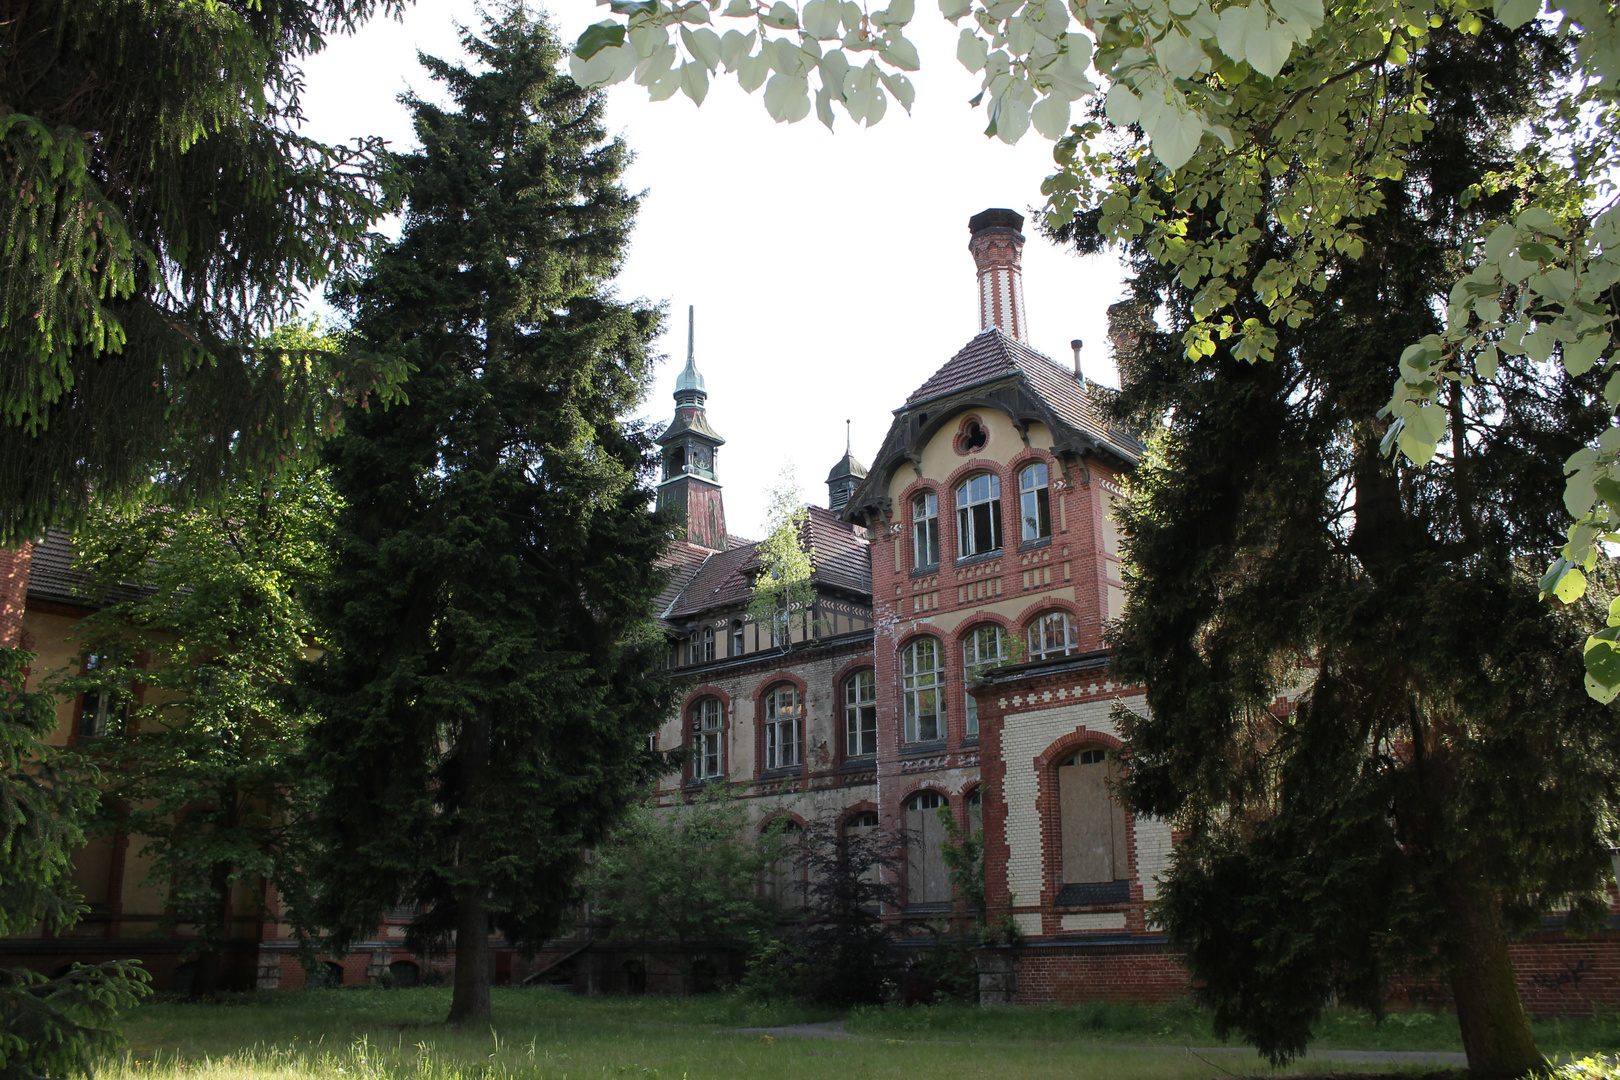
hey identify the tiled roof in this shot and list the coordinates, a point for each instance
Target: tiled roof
(841, 560)
(682, 560)
(992, 355)
(52, 578)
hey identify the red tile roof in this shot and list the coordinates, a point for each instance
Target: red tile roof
(839, 557)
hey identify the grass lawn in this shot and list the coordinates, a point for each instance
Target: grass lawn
(364, 1034)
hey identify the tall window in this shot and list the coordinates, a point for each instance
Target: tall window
(925, 530)
(928, 881)
(736, 637)
(1093, 824)
(709, 739)
(978, 515)
(982, 648)
(700, 646)
(1034, 507)
(1051, 635)
(104, 707)
(860, 715)
(922, 683)
(783, 731)
(785, 878)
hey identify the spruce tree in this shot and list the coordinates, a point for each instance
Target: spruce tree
(492, 673)
(158, 209)
(1442, 777)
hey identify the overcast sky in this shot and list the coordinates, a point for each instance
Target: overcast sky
(830, 271)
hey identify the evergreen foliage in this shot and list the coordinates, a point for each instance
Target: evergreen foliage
(836, 952)
(158, 210)
(1443, 775)
(493, 664)
(202, 769)
(47, 1025)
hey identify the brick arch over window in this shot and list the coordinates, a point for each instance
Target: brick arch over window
(1051, 629)
(978, 650)
(1087, 838)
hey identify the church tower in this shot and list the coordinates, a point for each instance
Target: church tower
(688, 490)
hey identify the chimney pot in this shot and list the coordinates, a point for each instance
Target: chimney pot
(997, 245)
(1079, 373)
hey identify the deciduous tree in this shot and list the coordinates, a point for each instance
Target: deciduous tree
(201, 771)
(493, 668)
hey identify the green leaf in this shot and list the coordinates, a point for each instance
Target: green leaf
(1580, 355)
(783, 17)
(599, 36)
(1571, 586)
(632, 7)
(1515, 13)
(1603, 665)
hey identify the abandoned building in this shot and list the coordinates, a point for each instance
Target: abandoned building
(953, 657)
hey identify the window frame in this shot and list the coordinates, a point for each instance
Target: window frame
(1034, 502)
(975, 660)
(925, 530)
(781, 720)
(738, 641)
(915, 682)
(975, 511)
(101, 712)
(702, 735)
(860, 715)
(1039, 648)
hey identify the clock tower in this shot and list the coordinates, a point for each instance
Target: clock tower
(689, 490)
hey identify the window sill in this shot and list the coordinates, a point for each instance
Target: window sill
(1038, 542)
(922, 749)
(973, 560)
(929, 908)
(783, 773)
(970, 742)
(858, 764)
(924, 571)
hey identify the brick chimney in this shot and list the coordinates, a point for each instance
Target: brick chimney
(998, 246)
(15, 564)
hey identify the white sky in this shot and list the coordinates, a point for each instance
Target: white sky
(830, 270)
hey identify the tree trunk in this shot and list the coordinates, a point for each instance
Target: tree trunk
(1495, 1030)
(470, 1002)
(205, 983)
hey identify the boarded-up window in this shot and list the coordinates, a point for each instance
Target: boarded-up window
(927, 879)
(1093, 824)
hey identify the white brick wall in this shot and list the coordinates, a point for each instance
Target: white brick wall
(1152, 854)
(1101, 920)
(1024, 738)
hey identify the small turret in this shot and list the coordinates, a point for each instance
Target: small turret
(689, 488)
(845, 477)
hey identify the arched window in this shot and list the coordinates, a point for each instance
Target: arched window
(405, 973)
(981, 649)
(784, 715)
(978, 515)
(927, 879)
(1034, 506)
(861, 844)
(708, 739)
(925, 530)
(860, 714)
(1093, 830)
(1051, 635)
(922, 683)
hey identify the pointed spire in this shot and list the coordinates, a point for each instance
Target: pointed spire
(690, 381)
(847, 442)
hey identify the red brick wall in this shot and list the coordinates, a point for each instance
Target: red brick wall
(14, 566)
